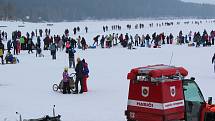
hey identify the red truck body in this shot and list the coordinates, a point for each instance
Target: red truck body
(156, 93)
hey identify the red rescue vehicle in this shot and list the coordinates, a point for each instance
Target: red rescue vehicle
(161, 93)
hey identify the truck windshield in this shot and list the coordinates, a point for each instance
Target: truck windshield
(192, 92)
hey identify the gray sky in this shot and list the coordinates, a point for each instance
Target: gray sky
(201, 1)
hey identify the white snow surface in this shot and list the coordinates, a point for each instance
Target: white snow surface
(200, 1)
(26, 87)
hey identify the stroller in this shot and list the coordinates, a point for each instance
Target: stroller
(59, 87)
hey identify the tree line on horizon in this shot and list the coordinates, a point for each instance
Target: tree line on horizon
(73, 10)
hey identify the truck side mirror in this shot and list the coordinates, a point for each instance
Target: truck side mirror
(210, 100)
(192, 78)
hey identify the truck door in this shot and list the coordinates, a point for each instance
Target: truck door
(193, 100)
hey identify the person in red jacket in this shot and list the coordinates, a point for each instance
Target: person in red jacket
(68, 45)
(85, 76)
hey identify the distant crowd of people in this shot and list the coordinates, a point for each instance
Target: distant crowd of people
(55, 43)
(155, 40)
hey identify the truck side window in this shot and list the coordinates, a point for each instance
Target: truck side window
(192, 92)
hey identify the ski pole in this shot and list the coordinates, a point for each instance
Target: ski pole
(171, 59)
(20, 117)
(54, 111)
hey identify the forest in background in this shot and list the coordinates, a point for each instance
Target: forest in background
(75, 10)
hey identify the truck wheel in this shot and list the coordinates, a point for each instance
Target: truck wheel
(55, 87)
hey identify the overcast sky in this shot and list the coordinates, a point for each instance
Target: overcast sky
(201, 1)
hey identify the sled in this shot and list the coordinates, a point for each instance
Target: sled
(45, 118)
(191, 45)
(15, 61)
(92, 47)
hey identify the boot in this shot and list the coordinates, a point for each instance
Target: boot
(75, 92)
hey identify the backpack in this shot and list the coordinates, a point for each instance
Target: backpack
(53, 47)
(71, 53)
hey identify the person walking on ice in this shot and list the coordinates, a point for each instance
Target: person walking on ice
(71, 53)
(85, 75)
(213, 61)
(79, 76)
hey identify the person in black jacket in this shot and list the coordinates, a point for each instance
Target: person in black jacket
(96, 39)
(39, 42)
(213, 61)
(71, 53)
(9, 45)
(102, 41)
(14, 46)
(79, 69)
(29, 45)
(147, 40)
(83, 43)
(53, 49)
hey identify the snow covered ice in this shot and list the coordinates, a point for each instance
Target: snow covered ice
(27, 87)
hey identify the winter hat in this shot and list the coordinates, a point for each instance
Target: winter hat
(83, 60)
(78, 59)
(65, 69)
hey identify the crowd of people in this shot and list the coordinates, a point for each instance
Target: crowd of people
(69, 44)
(54, 43)
(155, 40)
(21, 43)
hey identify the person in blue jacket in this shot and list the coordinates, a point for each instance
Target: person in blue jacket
(85, 75)
(9, 57)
